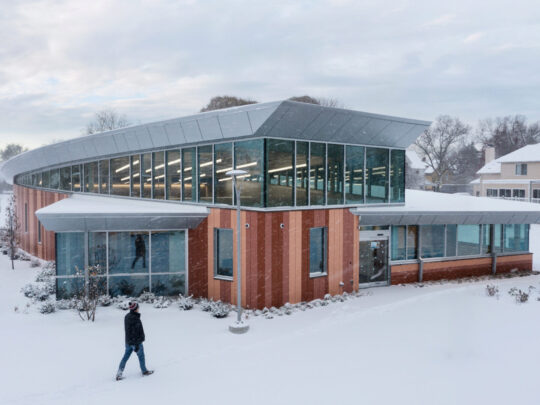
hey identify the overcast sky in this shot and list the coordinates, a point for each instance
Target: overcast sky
(61, 61)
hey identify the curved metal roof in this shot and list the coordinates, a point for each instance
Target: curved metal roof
(281, 119)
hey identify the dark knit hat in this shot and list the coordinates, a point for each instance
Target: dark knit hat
(133, 306)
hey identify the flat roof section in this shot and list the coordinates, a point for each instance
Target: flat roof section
(85, 213)
(431, 208)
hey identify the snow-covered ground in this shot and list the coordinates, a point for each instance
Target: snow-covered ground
(4, 199)
(440, 344)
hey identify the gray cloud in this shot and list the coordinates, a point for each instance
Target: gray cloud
(61, 60)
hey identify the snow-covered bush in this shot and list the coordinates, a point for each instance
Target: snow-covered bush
(39, 292)
(45, 275)
(162, 302)
(206, 305)
(48, 307)
(220, 309)
(35, 263)
(123, 305)
(492, 290)
(24, 256)
(147, 297)
(185, 303)
(520, 296)
(105, 300)
(66, 304)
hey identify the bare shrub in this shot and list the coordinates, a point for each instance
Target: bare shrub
(520, 296)
(492, 290)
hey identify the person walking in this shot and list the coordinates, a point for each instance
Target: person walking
(134, 340)
(140, 251)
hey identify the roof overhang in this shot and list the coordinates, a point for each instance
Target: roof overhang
(430, 208)
(83, 213)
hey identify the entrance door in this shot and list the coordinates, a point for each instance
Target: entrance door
(374, 259)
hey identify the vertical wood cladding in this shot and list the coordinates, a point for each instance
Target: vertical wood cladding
(275, 262)
(35, 199)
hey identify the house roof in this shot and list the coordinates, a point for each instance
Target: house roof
(493, 167)
(281, 119)
(431, 208)
(529, 153)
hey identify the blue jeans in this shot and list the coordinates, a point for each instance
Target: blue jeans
(140, 353)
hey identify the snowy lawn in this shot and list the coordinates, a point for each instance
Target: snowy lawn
(440, 344)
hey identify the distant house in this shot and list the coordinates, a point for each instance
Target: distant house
(513, 176)
(416, 170)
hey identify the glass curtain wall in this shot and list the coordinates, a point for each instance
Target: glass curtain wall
(516, 238)
(302, 173)
(223, 162)
(55, 178)
(104, 177)
(173, 174)
(135, 176)
(120, 176)
(146, 175)
(206, 170)
(399, 240)
(45, 178)
(128, 270)
(451, 240)
(158, 180)
(279, 173)
(334, 181)
(69, 263)
(249, 156)
(168, 263)
(189, 170)
(76, 177)
(317, 161)
(354, 175)
(486, 239)
(397, 176)
(65, 178)
(91, 177)
(432, 237)
(468, 240)
(376, 175)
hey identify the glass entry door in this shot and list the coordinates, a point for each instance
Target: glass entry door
(374, 259)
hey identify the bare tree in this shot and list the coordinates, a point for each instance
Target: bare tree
(414, 178)
(89, 286)
(508, 134)
(11, 235)
(322, 101)
(106, 120)
(11, 149)
(439, 144)
(220, 102)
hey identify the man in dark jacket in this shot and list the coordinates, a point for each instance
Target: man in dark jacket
(134, 340)
(140, 251)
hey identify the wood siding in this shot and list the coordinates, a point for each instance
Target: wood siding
(28, 241)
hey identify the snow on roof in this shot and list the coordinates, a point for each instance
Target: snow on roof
(429, 170)
(427, 207)
(493, 167)
(414, 160)
(529, 153)
(475, 181)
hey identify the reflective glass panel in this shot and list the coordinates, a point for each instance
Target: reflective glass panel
(169, 284)
(104, 176)
(432, 240)
(130, 286)
(128, 252)
(302, 173)
(412, 242)
(335, 174)
(168, 252)
(397, 176)
(146, 175)
(65, 178)
(91, 177)
(280, 173)
(45, 178)
(69, 253)
(398, 242)
(516, 238)
(206, 170)
(97, 249)
(498, 237)
(223, 164)
(223, 240)
(317, 250)
(468, 240)
(486, 239)
(173, 174)
(317, 161)
(249, 157)
(120, 176)
(189, 170)
(451, 240)
(55, 178)
(76, 177)
(158, 159)
(376, 175)
(135, 161)
(67, 287)
(354, 175)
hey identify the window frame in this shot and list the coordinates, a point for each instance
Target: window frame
(218, 276)
(324, 250)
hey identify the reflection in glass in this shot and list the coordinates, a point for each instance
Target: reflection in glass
(451, 240)
(104, 176)
(45, 178)
(76, 177)
(55, 178)
(376, 175)
(128, 252)
(249, 157)
(412, 242)
(397, 176)
(498, 237)
(223, 240)
(169, 284)
(516, 238)
(146, 175)
(432, 237)
(354, 175)
(158, 160)
(486, 239)
(130, 286)
(69, 253)
(97, 249)
(135, 162)
(317, 165)
(65, 178)
(91, 177)
(168, 252)
(120, 176)
(279, 173)
(173, 174)
(189, 169)
(398, 242)
(317, 251)
(206, 169)
(335, 174)
(67, 287)
(222, 182)
(468, 240)
(302, 173)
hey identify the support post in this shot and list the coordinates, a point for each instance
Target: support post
(493, 251)
(420, 270)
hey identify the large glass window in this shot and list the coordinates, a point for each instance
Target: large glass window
(104, 176)
(516, 238)
(432, 237)
(128, 252)
(376, 175)
(397, 176)
(451, 240)
(468, 240)
(248, 156)
(173, 174)
(223, 245)
(498, 238)
(279, 173)
(135, 162)
(317, 251)
(97, 249)
(317, 161)
(69, 253)
(91, 177)
(334, 183)
(412, 242)
(302, 173)
(45, 178)
(76, 177)
(158, 161)
(223, 163)
(486, 239)
(168, 263)
(120, 176)
(146, 175)
(399, 240)
(354, 175)
(55, 178)
(206, 170)
(65, 178)
(189, 170)
(131, 286)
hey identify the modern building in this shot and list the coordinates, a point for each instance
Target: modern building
(324, 207)
(515, 176)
